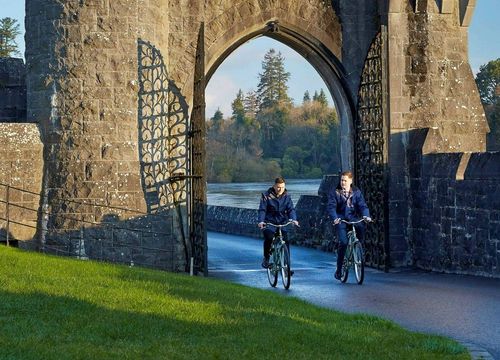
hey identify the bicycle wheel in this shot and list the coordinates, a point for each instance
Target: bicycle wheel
(285, 267)
(272, 271)
(345, 270)
(359, 262)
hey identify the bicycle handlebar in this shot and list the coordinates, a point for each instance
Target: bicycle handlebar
(354, 222)
(280, 226)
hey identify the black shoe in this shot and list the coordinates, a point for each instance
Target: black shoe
(292, 272)
(337, 275)
(265, 263)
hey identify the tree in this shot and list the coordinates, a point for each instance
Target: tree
(488, 84)
(273, 81)
(307, 98)
(9, 29)
(322, 98)
(238, 108)
(315, 96)
(251, 103)
(217, 119)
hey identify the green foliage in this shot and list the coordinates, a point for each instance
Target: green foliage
(321, 98)
(488, 83)
(273, 81)
(238, 108)
(267, 136)
(306, 98)
(9, 29)
(61, 308)
(217, 119)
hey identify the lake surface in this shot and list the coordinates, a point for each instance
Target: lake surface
(247, 195)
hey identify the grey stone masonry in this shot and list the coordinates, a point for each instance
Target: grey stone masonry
(455, 213)
(12, 90)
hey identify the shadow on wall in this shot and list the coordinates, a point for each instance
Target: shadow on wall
(152, 240)
(163, 125)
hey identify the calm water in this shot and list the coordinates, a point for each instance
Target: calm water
(247, 195)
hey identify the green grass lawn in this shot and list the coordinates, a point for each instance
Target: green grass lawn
(60, 308)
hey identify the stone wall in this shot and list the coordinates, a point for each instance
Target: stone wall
(12, 90)
(455, 212)
(21, 167)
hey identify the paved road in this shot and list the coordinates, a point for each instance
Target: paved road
(465, 308)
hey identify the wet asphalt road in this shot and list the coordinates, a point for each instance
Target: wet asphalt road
(465, 308)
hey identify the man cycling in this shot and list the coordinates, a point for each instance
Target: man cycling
(276, 206)
(346, 202)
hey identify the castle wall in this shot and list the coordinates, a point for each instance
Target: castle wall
(12, 90)
(21, 168)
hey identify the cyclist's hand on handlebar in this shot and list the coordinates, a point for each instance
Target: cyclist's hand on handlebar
(294, 222)
(261, 225)
(367, 219)
(336, 221)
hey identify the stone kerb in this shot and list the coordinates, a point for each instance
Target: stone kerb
(21, 167)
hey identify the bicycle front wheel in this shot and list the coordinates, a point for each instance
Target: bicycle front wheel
(345, 270)
(285, 267)
(272, 272)
(359, 262)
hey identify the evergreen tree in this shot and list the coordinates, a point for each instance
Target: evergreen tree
(273, 81)
(307, 98)
(488, 84)
(251, 104)
(217, 119)
(315, 96)
(274, 103)
(238, 109)
(322, 98)
(9, 29)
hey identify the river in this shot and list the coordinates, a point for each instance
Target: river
(247, 195)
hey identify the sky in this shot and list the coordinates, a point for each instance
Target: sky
(240, 70)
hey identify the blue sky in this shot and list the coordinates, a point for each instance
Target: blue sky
(240, 70)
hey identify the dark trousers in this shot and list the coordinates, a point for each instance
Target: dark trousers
(342, 229)
(268, 239)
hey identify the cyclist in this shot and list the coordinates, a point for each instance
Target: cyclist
(346, 202)
(276, 206)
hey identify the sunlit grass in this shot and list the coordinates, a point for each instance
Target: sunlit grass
(60, 308)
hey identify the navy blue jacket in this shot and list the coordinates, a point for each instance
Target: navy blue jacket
(274, 209)
(350, 209)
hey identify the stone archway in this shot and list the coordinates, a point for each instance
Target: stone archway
(326, 63)
(82, 89)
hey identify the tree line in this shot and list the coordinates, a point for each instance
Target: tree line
(488, 84)
(267, 135)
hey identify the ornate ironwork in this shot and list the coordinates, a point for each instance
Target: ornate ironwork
(163, 131)
(198, 201)
(371, 149)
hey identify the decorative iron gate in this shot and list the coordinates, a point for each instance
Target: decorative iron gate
(198, 200)
(371, 148)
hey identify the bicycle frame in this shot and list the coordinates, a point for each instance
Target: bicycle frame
(280, 258)
(354, 255)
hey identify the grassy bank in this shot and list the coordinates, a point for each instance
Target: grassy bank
(59, 308)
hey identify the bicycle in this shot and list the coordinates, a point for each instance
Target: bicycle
(354, 256)
(280, 258)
